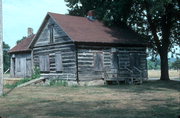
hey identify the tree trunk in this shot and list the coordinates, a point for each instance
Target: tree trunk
(164, 65)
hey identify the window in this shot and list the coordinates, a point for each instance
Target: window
(44, 63)
(51, 33)
(115, 60)
(98, 61)
(58, 59)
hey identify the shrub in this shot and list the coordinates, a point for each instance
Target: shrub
(58, 83)
(36, 73)
(176, 64)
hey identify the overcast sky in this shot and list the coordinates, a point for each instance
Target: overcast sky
(18, 15)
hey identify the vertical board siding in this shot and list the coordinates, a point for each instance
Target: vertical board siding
(21, 65)
(28, 67)
(12, 69)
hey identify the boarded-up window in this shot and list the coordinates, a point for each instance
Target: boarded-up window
(115, 60)
(134, 60)
(98, 61)
(58, 60)
(44, 63)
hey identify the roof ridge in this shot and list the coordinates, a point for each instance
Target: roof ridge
(65, 15)
(80, 29)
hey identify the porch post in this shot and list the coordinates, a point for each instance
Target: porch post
(1, 51)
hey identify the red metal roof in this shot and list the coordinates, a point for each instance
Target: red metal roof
(23, 46)
(80, 29)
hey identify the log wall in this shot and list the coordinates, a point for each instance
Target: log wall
(61, 47)
(86, 61)
(82, 62)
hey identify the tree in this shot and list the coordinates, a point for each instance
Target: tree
(176, 64)
(19, 41)
(6, 56)
(156, 20)
(153, 64)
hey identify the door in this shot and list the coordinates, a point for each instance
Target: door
(12, 70)
(28, 67)
(20, 67)
(115, 61)
(134, 60)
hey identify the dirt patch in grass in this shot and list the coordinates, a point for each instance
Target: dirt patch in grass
(154, 99)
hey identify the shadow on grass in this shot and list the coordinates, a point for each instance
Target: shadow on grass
(147, 86)
(89, 109)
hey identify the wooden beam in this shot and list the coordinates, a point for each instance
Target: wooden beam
(1, 51)
(34, 81)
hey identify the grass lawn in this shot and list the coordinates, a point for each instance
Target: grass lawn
(153, 99)
(157, 73)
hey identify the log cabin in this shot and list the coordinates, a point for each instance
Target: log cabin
(83, 49)
(21, 65)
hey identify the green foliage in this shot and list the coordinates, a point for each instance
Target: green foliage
(153, 64)
(6, 56)
(58, 82)
(36, 73)
(156, 64)
(111, 12)
(143, 16)
(19, 41)
(176, 64)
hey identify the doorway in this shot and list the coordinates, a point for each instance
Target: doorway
(135, 60)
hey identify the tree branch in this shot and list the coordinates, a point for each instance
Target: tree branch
(153, 28)
(166, 23)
